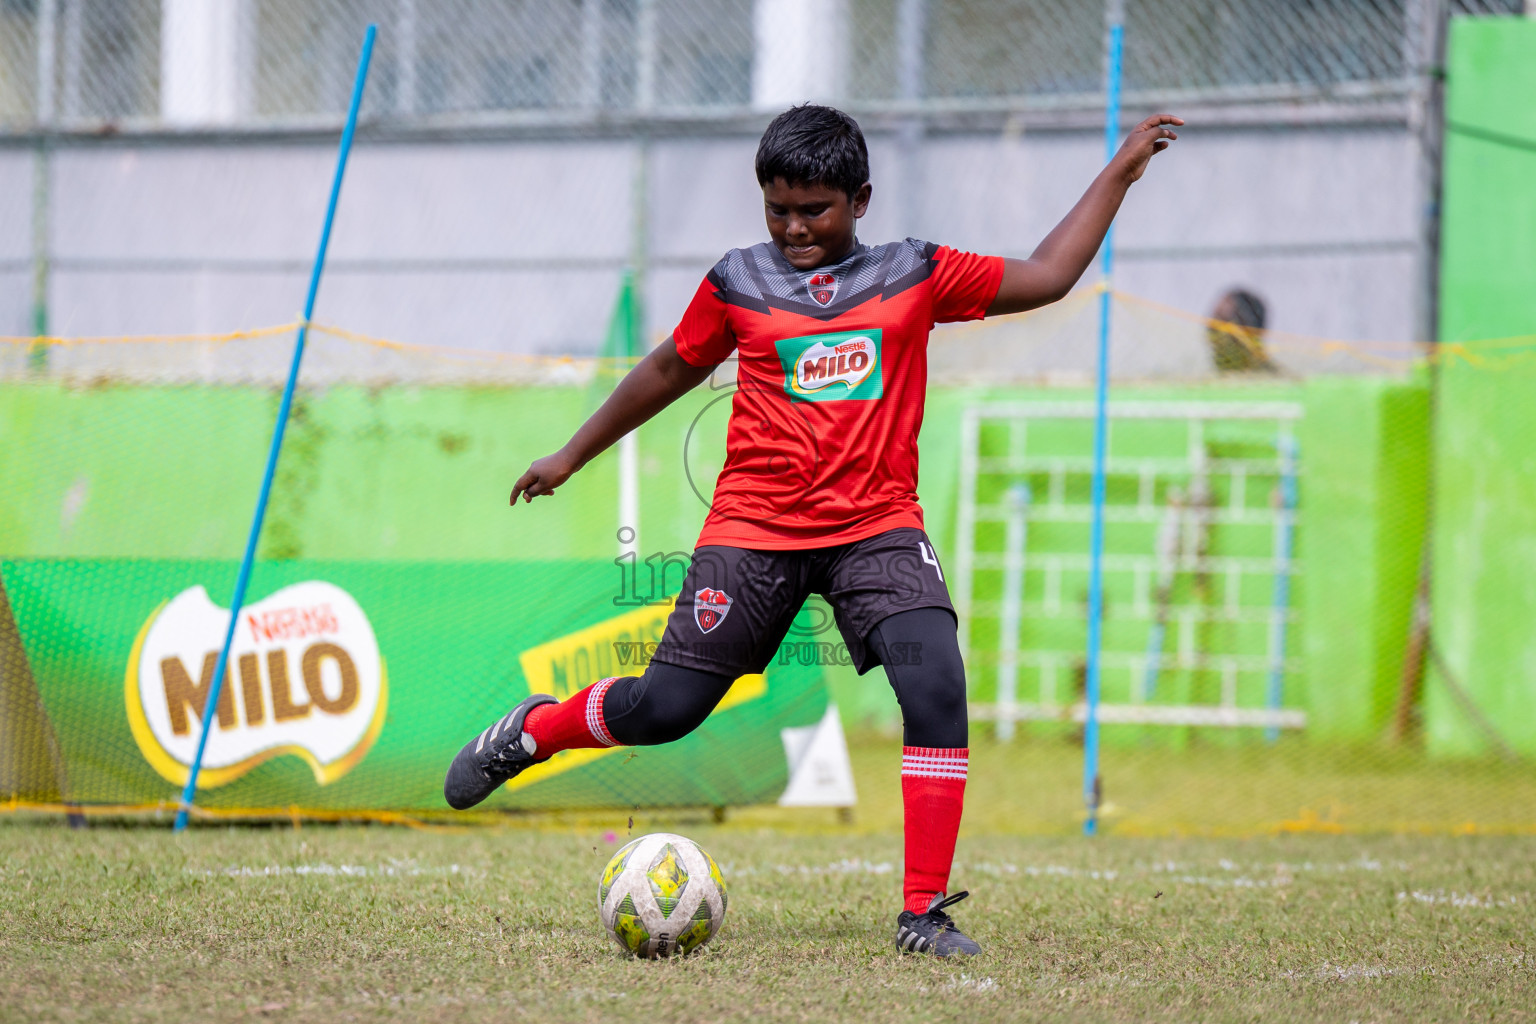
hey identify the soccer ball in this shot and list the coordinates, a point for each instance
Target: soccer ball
(661, 895)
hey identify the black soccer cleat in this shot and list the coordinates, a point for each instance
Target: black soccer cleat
(934, 931)
(493, 757)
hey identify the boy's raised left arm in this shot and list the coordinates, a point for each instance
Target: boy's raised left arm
(1060, 259)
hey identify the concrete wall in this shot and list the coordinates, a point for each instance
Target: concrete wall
(517, 245)
(15, 242)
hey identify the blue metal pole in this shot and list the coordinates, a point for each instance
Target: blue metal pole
(243, 580)
(1281, 603)
(1091, 786)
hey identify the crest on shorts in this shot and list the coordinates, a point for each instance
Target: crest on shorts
(823, 288)
(710, 607)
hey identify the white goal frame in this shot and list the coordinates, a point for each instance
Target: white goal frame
(1052, 506)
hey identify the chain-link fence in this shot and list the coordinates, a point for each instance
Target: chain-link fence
(142, 189)
(129, 65)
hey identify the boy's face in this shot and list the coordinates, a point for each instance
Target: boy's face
(812, 225)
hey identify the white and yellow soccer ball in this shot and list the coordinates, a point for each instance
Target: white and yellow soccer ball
(661, 895)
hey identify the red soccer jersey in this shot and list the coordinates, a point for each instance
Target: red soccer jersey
(833, 368)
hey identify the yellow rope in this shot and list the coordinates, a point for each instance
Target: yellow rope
(1415, 348)
(150, 339)
(293, 813)
(1483, 354)
(469, 354)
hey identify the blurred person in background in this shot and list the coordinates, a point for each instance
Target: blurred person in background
(1235, 332)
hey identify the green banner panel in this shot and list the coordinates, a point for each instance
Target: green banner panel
(352, 684)
(1480, 690)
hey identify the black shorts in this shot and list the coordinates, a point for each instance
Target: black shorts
(738, 604)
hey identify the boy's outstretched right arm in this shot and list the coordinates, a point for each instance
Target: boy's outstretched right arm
(657, 381)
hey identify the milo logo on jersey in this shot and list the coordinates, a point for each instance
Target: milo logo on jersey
(832, 367)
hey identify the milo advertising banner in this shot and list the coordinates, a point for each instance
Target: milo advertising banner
(311, 632)
(351, 685)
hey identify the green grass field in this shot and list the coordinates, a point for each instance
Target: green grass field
(130, 923)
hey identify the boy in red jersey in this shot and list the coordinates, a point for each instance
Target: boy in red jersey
(819, 490)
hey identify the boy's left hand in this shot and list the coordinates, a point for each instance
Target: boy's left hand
(1151, 136)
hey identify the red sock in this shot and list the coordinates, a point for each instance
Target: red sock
(933, 795)
(577, 722)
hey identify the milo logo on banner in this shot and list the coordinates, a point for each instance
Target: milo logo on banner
(832, 367)
(304, 678)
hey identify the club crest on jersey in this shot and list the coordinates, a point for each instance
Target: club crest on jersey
(823, 287)
(832, 367)
(710, 607)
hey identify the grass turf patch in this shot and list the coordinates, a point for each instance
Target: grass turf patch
(377, 923)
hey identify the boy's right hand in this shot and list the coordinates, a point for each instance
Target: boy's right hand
(543, 477)
(656, 382)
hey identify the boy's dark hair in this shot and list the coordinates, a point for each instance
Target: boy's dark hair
(814, 145)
